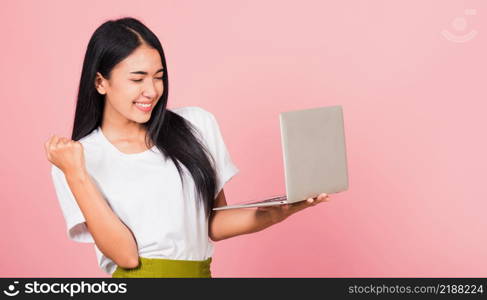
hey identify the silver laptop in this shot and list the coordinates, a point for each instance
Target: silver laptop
(314, 152)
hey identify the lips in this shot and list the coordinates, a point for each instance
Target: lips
(144, 106)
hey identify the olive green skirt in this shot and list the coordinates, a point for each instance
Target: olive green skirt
(166, 268)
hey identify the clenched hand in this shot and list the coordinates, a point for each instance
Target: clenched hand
(66, 154)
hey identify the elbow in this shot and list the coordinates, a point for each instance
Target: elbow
(217, 230)
(215, 237)
(129, 263)
(220, 236)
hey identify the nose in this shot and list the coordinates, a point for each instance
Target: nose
(149, 89)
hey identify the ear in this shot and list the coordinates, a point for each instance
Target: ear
(100, 83)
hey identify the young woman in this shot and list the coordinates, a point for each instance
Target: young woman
(139, 180)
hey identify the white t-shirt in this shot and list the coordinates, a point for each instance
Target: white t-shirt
(146, 193)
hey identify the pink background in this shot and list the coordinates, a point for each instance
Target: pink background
(414, 109)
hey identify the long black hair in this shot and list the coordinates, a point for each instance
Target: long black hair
(175, 137)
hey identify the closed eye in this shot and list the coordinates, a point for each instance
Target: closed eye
(139, 80)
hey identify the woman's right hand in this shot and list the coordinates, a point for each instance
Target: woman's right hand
(66, 154)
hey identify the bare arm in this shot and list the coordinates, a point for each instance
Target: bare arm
(225, 224)
(229, 223)
(111, 236)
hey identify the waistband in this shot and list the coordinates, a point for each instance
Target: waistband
(161, 268)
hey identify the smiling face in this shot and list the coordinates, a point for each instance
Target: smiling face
(134, 87)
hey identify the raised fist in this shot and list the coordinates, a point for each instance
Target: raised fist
(66, 154)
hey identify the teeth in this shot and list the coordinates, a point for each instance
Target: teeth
(142, 105)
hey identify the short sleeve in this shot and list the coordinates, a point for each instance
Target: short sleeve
(75, 221)
(225, 168)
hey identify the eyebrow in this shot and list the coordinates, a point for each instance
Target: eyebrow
(145, 73)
